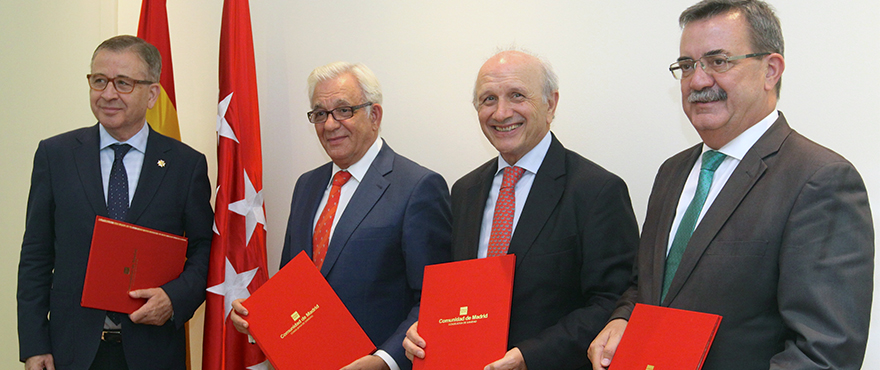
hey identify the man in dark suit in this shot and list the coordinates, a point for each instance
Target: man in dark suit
(168, 188)
(572, 228)
(391, 216)
(783, 245)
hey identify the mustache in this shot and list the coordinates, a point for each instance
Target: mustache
(707, 95)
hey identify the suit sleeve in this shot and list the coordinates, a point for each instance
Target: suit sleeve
(426, 240)
(826, 272)
(187, 292)
(608, 238)
(37, 262)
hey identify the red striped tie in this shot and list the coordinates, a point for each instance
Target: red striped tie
(502, 221)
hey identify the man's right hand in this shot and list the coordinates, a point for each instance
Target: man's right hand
(40, 362)
(413, 343)
(603, 347)
(237, 314)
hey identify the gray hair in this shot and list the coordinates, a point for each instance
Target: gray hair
(146, 51)
(764, 27)
(368, 82)
(550, 81)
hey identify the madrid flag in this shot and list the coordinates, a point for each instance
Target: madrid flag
(153, 28)
(238, 250)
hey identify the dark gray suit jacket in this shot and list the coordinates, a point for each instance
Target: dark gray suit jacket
(395, 224)
(574, 246)
(65, 196)
(785, 254)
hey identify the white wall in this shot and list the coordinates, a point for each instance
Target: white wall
(619, 105)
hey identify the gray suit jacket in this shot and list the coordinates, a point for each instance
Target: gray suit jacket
(784, 254)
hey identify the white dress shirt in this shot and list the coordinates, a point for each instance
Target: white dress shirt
(735, 150)
(531, 162)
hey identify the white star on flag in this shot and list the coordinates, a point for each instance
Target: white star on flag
(223, 128)
(261, 366)
(251, 207)
(234, 285)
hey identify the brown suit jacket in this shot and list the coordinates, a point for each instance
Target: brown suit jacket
(784, 254)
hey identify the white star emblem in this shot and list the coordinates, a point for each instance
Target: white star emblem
(251, 207)
(234, 286)
(261, 366)
(223, 128)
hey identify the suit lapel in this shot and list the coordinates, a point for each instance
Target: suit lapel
(474, 202)
(741, 182)
(87, 160)
(545, 194)
(368, 193)
(152, 174)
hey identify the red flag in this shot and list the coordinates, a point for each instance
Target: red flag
(153, 28)
(238, 250)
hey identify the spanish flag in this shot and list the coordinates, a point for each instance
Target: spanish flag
(153, 28)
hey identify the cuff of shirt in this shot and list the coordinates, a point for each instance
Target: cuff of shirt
(388, 359)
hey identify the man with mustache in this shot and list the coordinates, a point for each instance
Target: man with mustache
(757, 223)
(571, 228)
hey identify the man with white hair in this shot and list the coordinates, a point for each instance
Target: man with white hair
(370, 219)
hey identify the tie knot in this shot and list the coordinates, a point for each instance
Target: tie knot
(341, 177)
(511, 176)
(711, 160)
(120, 150)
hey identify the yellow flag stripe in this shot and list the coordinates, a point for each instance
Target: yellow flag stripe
(163, 116)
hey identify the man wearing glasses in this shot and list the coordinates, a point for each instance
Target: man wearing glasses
(757, 223)
(122, 169)
(370, 219)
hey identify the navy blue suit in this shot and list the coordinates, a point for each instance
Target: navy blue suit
(65, 196)
(397, 221)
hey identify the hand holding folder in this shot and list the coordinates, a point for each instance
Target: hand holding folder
(125, 257)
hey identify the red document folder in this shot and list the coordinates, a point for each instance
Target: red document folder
(465, 313)
(126, 257)
(300, 323)
(659, 338)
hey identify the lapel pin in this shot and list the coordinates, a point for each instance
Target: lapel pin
(161, 163)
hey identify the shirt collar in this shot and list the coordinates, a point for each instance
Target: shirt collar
(740, 145)
(138, 141)
(531, 162)
(359, 169)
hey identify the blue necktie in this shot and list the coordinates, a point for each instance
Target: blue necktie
(711, 160)
(117, 188)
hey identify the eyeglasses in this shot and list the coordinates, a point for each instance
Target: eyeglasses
(717, 63)
(123, 85)
(339, 113)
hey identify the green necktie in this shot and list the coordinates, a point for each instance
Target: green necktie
(711, 160)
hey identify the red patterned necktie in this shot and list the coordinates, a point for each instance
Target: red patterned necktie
(321, 238)
(502, 221)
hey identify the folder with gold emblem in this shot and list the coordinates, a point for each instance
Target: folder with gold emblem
(300, 323)
(465, 313)
(658, 338)
(125, 257)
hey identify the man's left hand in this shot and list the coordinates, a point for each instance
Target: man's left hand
(512, 360)
(369, 362)
(156, 311)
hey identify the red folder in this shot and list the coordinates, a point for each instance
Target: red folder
(126, 257)
(300, 323)
(465, 313)
(665, 338)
